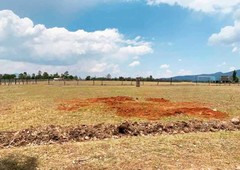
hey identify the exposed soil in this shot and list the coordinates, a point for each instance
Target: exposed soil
(151, 108)
(58, 134)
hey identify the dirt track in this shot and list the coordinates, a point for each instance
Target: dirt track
(151, 108)
(57, 134)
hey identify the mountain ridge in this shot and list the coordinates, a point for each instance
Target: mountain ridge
(204, 77)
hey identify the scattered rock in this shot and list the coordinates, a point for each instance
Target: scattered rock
(86, 138)
(235, 121)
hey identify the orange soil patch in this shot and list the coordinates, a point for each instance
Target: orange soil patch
(151, 108)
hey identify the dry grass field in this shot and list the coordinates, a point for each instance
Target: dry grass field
(24, 106)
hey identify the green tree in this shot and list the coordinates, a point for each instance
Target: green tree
(56, 75)
(39, 76)
(88, 78)
(121, 78)
(66, 75)
(21, 76)
(33, 75)
(45, 75)
(25, 75)
(234, 76)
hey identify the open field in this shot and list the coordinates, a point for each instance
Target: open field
(38, 105)
(35, 105)
(6, 82)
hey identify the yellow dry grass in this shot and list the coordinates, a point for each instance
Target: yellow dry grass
(190, 151)
(35, 105)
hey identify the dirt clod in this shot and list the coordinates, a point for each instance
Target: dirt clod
(57, 134)
(235, 121)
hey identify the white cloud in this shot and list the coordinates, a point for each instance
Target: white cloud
(166, 73)
(207, 6)
(164, 66)
(134, 64)
(184, 72)
(21, 40)
(222, 64)
(103, 67)
(232, 68)
(86, 67)
(228, 36)
(98, 68)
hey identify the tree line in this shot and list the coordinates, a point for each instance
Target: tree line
(39, 75)
(234, 77)
(108, 77)
(67, 76)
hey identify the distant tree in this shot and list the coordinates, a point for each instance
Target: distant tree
(75, 77)
(56, 75)
(21, 76)
(45, 75)
(88, 78)
(109, 76)
(39, 76)
(33, 76)
(25, 75)
(151, 77)
(234, 76)
(70, 77)
(50, 76)
(28, 76)
(66, 74)
(121, 78)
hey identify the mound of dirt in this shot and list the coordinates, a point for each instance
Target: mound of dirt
(58, 134)
(159, 100)
(151, 108)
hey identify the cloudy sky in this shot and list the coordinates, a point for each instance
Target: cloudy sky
(162, 38)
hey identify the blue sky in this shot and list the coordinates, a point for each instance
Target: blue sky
(125, 38)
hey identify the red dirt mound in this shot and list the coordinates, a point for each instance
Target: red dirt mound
(160, 100)
(151, 108)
